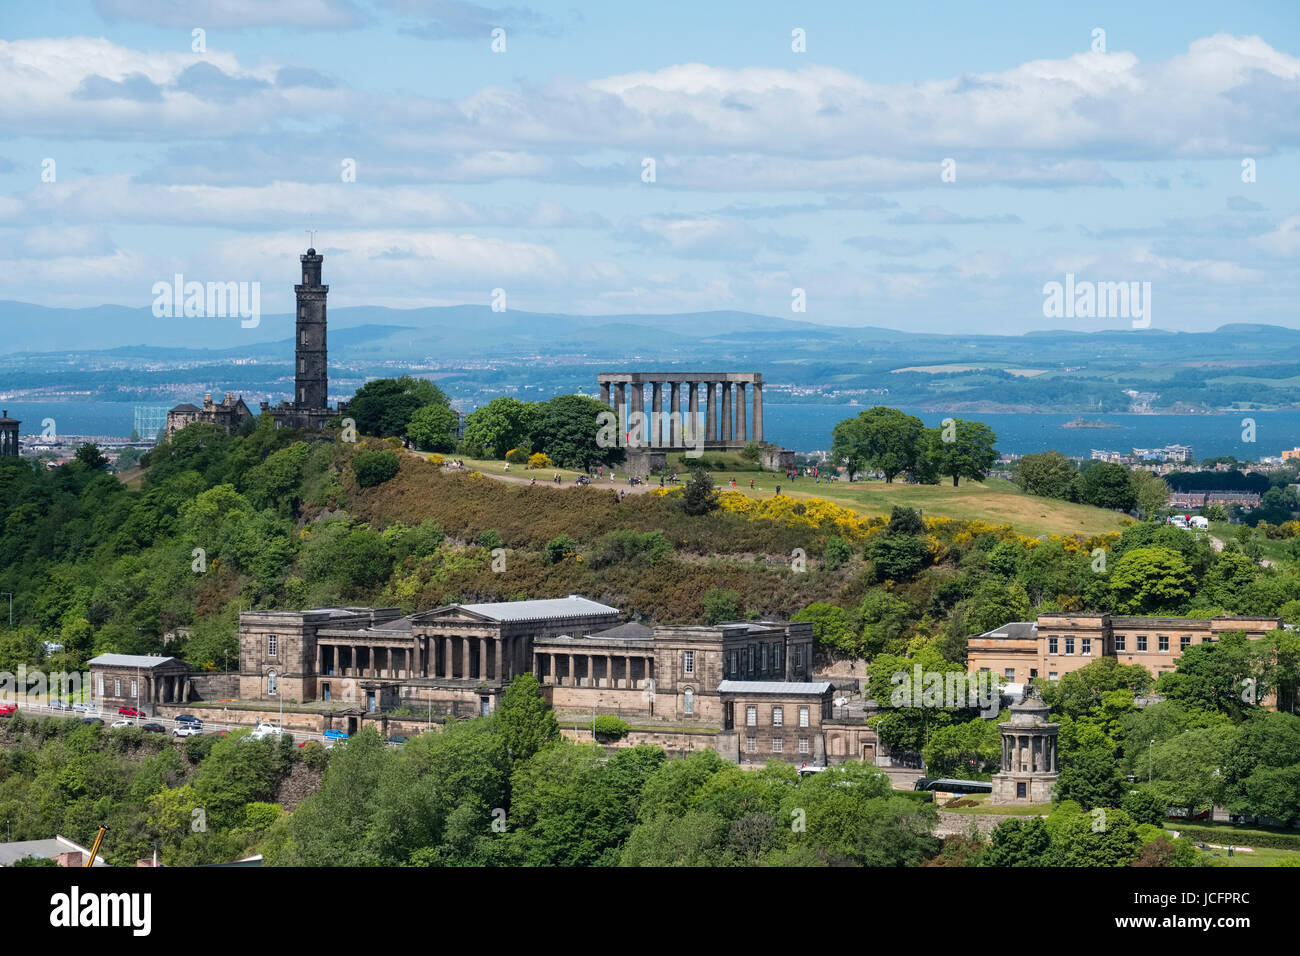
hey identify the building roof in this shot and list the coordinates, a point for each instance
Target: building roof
(130, 660)
(788, 688)
(1013, 631)
(571, 606)
(11, 853)
(185, 407)
(631, 630)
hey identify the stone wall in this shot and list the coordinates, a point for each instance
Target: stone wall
(210, 687)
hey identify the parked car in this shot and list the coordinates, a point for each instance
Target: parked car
(130, 712)
(186, 730)
(1180, 813)
(188, 719)
(92, 720)
(60, 705)
(154, 728)
(85, 708)
(333, 734)
(121, 723)
(397, 740)
(8, 710)
(262, 731)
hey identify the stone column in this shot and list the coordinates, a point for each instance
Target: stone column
(498, 673)
(482, 658)
(710, 412)
(572, 673)
(690, 427)
(675, 414)
(726, 411)
(620, 406)
(742, 432)
(604, 393)
(446, 655)
(591, 670)
(609, 670)
(656, 413)
(758, 411)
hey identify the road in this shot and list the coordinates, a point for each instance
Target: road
(108, 717)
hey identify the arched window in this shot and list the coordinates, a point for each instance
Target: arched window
(270, 684)
(688, 701)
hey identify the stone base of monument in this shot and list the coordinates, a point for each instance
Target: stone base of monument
(1022, 788)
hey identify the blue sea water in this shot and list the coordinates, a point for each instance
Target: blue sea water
(808, 428)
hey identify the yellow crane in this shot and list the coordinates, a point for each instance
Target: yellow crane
(94, 852)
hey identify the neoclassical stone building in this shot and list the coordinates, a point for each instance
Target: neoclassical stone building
(118, 680)
(1028, 773)
(456, 661)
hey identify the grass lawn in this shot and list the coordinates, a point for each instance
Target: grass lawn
(983, 806)
(1275, 549)
(1263, 856)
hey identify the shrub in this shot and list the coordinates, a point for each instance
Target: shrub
(375, 467)
(559, 548)
(700, 497)
(836, 552)
(539, 459)
(721, 605)
(314, 755)
(630, 545)
(518, 456)
(609, 727)
(489, 539)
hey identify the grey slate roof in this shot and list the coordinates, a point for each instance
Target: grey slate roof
(773, 687)
(129, 660)
(631, 630)
(1015, 630)
(541, 610)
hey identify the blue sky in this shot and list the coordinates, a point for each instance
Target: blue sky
(774, 170)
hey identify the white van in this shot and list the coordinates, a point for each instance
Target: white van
(1200, 523)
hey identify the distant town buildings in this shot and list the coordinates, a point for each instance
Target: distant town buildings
(1289, 453)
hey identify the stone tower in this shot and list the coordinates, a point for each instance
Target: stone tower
(312, 374)
(1028, 772)
(8, 436)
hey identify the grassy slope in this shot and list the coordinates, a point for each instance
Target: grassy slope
(995, 501)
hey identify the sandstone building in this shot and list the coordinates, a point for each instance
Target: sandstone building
(748, 682)
(1056, 644)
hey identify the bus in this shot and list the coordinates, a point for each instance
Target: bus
(951, 785)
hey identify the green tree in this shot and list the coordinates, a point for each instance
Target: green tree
(1019, 843)
(1151, 581)
(880, 439)
(1107, 485)
(721, 604)
(1089, 766)
(964, 449)
(384, 407)
(526, 723)
(500, 425)
(699, 497)
(1048, 474)
(567, 427)
(433, 428)
(1150, 493)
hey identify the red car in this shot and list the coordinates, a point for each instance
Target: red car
(8, 710)
(130, 712)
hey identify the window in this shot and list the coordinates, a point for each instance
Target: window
(1085, 646)
(776, 657)
(751, 716)
(117, 687)
(101, 685)
(304, 338)
(751, 745)
(1121, 642)
(778, 716)
(798, 657)
(803, 745)
(1020, 790)
(1184, 642)
(1142, 642)
(735, 663)
(762, 652)
(1009, 673)
(1051, 645)
(270, 684)
(803, 716)
(776, 745)
(1163, 642)
(325, 691)
(688, 701)
(1033, 672)
(1051, 675)
(1069, 645)
(688, 662)
(271, 642)
(135, 692)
